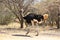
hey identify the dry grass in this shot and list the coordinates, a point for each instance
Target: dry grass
(11, 25)
(17, 25)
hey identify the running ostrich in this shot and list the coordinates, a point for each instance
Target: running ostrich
(35, 18)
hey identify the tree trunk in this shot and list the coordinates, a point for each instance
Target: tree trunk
(21, 21)
(20, 18)
(57, 22)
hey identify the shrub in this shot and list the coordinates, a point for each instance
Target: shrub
(6, 18)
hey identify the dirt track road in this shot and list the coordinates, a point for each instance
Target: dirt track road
(44, 35)
(40, 37)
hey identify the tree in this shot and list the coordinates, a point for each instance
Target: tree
(18, 7)
(52, 7)
(54, 11)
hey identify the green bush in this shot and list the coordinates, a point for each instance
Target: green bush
(5, 18)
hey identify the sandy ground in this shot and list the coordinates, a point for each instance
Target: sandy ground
(40, 37)
(19, 34)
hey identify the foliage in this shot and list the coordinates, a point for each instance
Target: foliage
(6, 18)
(52, 7)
